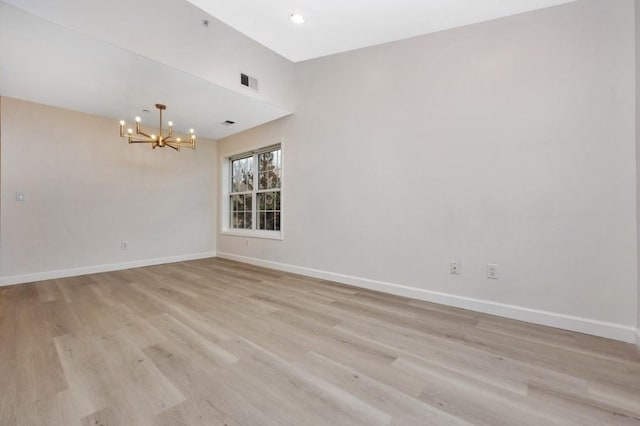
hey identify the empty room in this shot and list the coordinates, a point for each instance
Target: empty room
(409, 212)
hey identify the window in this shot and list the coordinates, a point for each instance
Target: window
(254, 200)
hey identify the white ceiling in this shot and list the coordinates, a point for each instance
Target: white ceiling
(44, 62)
(334, 26)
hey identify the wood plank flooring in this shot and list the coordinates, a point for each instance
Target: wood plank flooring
(215, 342)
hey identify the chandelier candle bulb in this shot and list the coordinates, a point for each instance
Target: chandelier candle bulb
(122, 128)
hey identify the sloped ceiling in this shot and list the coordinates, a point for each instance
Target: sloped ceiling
(50, 53)
(41, 61)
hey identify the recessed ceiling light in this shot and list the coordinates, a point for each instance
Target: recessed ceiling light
(297, 18)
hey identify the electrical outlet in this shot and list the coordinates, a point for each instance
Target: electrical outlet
(454, 268)
(124, 245)
(492, 271)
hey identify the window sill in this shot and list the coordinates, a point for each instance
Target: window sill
(269, 235)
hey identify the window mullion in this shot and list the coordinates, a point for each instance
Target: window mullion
(254, 198)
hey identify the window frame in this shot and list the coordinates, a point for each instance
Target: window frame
(227, 179)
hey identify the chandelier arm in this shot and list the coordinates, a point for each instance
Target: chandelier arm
(144, 134)
(141, 141)
(191, 144)
(170, 145)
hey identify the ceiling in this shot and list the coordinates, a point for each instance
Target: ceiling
(44, 62)
(48, 63)
(334, 26)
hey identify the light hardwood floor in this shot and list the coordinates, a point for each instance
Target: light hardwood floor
(214, 342)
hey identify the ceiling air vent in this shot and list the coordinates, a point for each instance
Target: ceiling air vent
(248, 81)
(228, 123)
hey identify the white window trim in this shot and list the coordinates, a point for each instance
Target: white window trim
(225, 229)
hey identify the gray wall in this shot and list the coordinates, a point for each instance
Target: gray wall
(507, 142)
(637, 52)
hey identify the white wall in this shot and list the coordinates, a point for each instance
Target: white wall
(507, 142)
(172, 33)
(87, 190)
(637, 52)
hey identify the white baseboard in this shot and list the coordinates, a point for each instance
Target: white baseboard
(638, 338)
(62, 273)
(551, 319)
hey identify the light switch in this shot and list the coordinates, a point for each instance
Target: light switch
(20, 196)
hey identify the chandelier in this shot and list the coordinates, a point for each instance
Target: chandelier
(157, 140)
